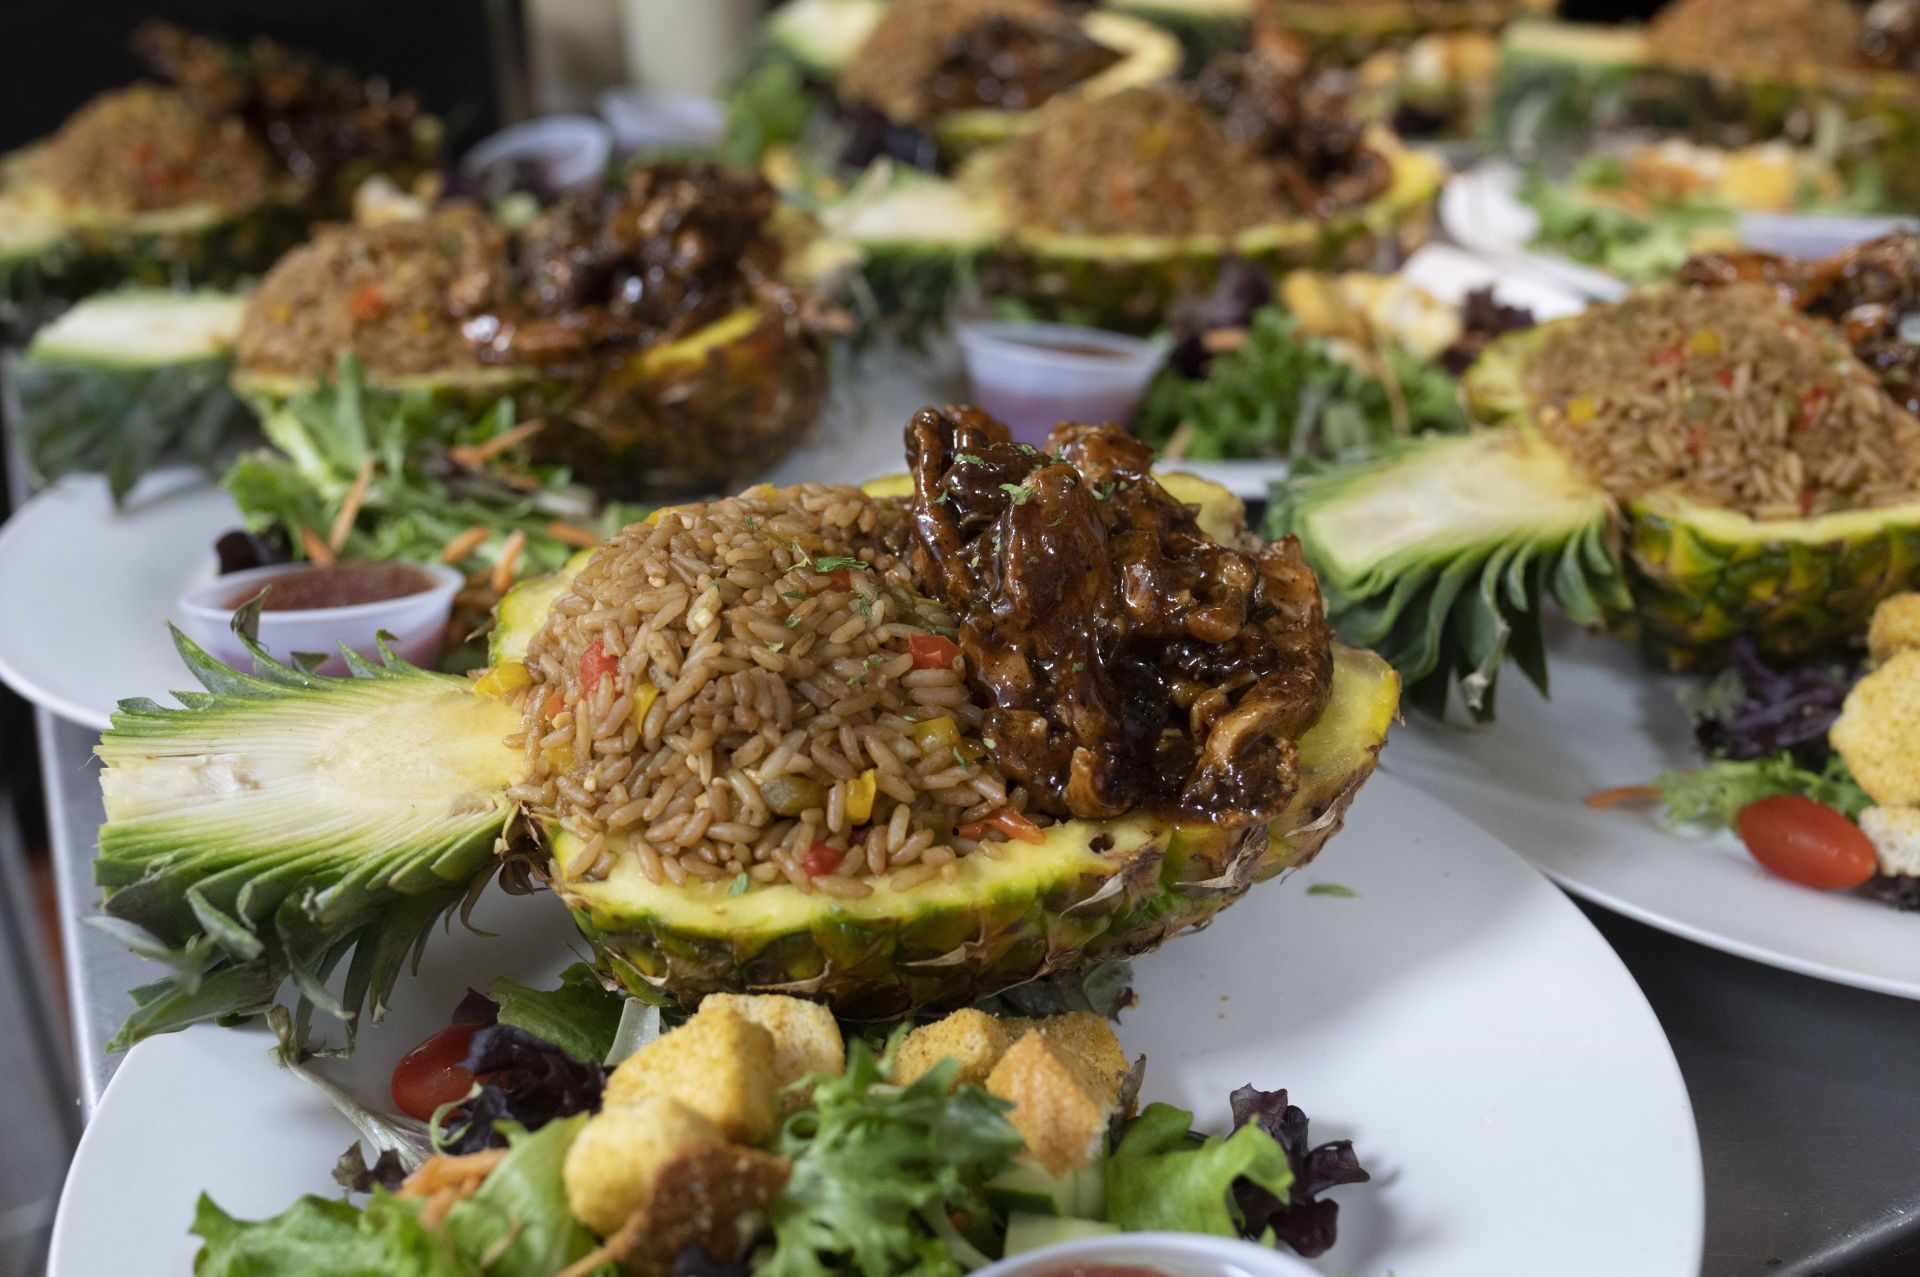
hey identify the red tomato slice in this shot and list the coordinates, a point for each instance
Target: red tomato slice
(1807, 842)
(430, 1075)
(932, 652)
(595, 665)
(821, 859)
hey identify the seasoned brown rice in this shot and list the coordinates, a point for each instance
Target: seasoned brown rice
(750, 650)
(1728, 395)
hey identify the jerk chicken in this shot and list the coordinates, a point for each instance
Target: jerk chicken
(1127, 660)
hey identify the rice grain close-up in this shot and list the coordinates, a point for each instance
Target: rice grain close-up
(753, 686)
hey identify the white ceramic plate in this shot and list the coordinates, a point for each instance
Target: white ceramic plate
(1495, 1065)
(1612, 722)
(90, 589)
(1482, 211)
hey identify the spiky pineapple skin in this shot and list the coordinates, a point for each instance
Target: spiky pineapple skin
(1694, 593)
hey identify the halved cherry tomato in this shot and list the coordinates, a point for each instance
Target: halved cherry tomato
(1812, 404)
(554, 704)
(1674, 354)
(1806, 842)
(430, 1075)
(595, 665)
(932, 652)
(821, 858)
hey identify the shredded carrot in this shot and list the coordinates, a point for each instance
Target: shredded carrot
(317, 550)
(475, 455)
(509, 559)
(464, 544)
(350, 508)
(573, 534)
(1620, 794)
(1007, 821)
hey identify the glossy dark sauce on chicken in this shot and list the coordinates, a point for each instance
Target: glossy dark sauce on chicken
(1127, 661)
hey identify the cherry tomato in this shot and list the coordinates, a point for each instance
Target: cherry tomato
(931, 652)
(430, 1075)
(1806, 842)
(366, 303)
(595, 665)
(821, 859)
(554, 704)
(1812, 404)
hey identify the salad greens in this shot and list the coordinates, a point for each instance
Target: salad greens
(1162, 1177)
(1638, 248)
(580, 1017)
(879, 1172)
(516, 1225)
(1284, 395)
(1714, 794)
(409, 461)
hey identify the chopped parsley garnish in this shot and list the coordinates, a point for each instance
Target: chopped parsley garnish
(1079, 666)
(1020, 492)
(864, 604)
(793, 622)
(753, 524)
(1332, 889)
(989, 742)
(740, 882)
(794, 594)
(960, 758)
(774, 647)
(967, 459)
(834, 562)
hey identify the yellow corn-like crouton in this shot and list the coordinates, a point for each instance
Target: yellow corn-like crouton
(1895, 835)
(1061, 1103)
(806, 1037)
(1088, 1036)
(719, 1064)
(1895, 627)
(974, 1038)
(711, 1196)
(614, 1164)
(1878, 731)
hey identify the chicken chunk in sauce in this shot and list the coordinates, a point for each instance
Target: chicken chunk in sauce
(1127, 661)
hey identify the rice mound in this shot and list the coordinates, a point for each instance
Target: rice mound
(744, 648)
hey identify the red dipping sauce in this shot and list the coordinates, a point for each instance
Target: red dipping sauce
(339, 585)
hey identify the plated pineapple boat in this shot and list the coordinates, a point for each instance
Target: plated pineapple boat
(663, 335)
(203, 178)
(885, 750)
(927, 81)
(1108, 210)
(1820, 74)
(1737, 456)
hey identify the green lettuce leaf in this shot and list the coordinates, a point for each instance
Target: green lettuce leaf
(1713, 795)
(879, 1172)
(1282, 395)
(1162, 1176)
(580, 1017)
(516, 1225)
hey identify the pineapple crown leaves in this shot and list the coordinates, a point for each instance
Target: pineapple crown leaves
(236, 901)
(1450, 617)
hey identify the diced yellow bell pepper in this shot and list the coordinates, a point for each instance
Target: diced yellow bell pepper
(932, 734)
(506, 677)
(643, 698)
(1582, 410)
(860, 794)
(1706, 343)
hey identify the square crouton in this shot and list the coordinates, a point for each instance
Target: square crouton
(1088, 1036)
(1061, 1102)
(806, 1037)
(719, 1064)
(973, 1038)
(614, 1164)
(1895, 627)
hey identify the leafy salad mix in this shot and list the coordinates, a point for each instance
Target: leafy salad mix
(879, 1170)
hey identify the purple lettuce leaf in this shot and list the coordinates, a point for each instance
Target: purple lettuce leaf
(1753, 710)
(1304, 1222)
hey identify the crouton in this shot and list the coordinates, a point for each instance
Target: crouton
(719, 1064)
(1085, 1034)
(1878, 731)
(1895, 627)
(1061, 1102)
(614, 1164)
(973, 1038)
(806, 1037)
(1895, 835)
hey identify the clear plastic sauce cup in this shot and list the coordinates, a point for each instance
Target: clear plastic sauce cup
(1034, 376)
